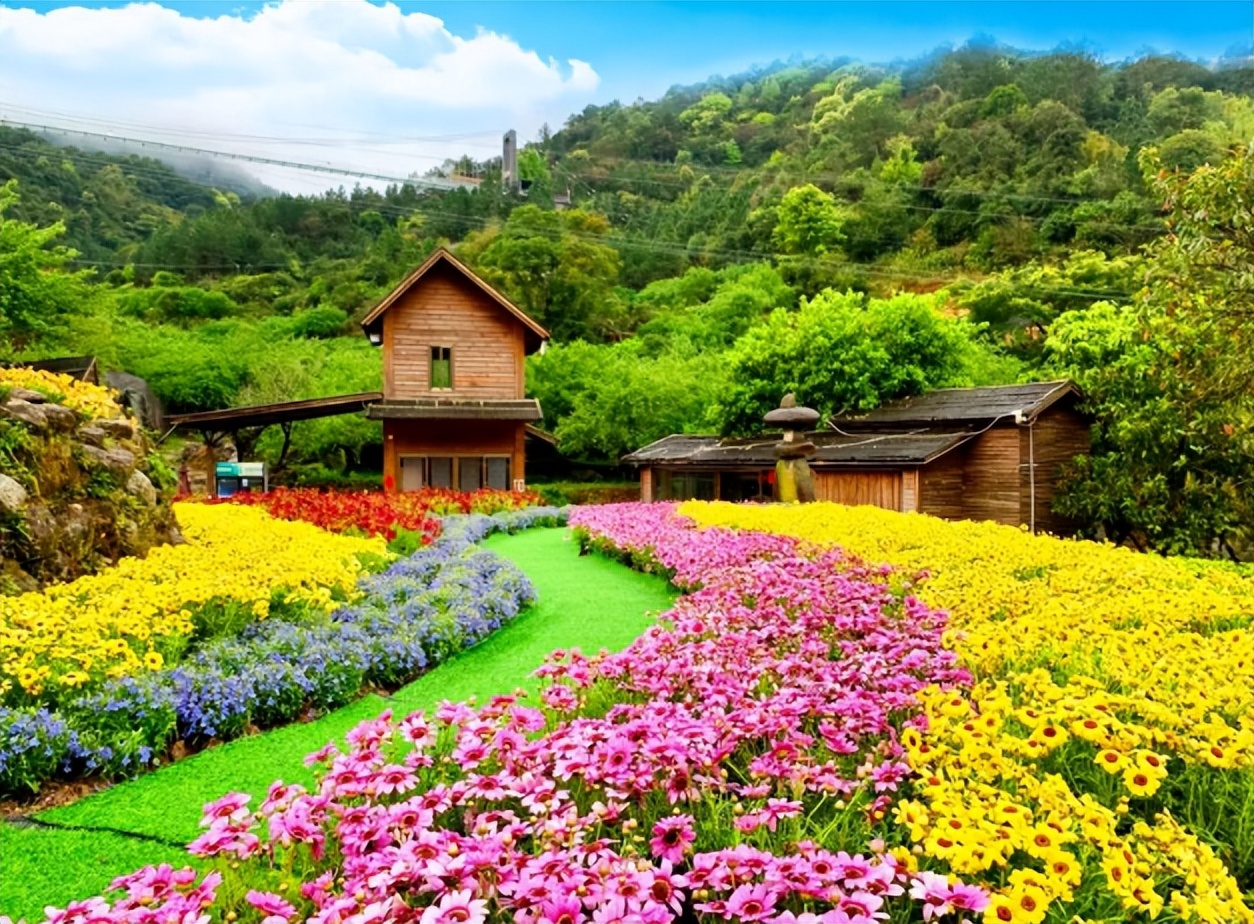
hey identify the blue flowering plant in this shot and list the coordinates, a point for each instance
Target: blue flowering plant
(421, 610)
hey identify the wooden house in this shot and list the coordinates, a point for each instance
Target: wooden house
(453, 409)
(960, 453)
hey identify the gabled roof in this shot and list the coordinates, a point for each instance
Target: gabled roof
(442, 255)
(964, 405)
(890, 449)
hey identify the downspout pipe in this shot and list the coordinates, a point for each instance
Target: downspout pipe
(1030, 424)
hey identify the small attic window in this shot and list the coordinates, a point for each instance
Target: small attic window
(441, 367)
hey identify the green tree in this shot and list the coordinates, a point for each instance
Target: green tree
(1177, 109)
(535, 174)
(557, 266)
(1190, 149)
(708, 114)
(844, 352)
(1017, 306)
(743, 295)
(605, 401)
(1168, 377)
(37, 291)
(852, 126)
(1003, 101)
(809, 223)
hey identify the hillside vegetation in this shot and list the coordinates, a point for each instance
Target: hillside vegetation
(847, 232)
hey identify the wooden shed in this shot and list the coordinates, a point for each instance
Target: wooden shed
(990, 453)
(453, 410)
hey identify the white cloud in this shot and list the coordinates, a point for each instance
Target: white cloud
(347, 82)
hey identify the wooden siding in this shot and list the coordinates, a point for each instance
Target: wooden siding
(940, 485)
(877, 489)
(990, 483)
(445, 309)
(1056, 437)
(987, 478)
(910, 490)
(453, 438)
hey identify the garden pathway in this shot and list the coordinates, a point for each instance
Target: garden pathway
(586, 602)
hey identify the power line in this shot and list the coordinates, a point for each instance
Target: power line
(979, 213)
(761, 179)
(77, 261)
(869, 269)
(835, 176)
(100, 160)
(429, 182)
(378, 137)
(448, 184)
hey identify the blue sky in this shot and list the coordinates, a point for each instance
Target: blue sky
(642, 48)
(222, 75)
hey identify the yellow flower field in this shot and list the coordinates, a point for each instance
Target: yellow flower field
(120, 620)
(1109, 735)
(90, 400)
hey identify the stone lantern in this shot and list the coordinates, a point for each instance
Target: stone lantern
(793, 481)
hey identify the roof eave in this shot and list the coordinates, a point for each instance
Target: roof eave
(374, 319)
(527, 410)
(1065, 388)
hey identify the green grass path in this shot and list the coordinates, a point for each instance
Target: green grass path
(584, 602)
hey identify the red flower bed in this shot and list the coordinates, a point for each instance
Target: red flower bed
(376, 513)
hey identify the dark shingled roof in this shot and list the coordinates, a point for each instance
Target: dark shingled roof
(963, 405)
(905, 433)
(892, 448)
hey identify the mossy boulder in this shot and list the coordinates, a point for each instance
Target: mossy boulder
(77, 492)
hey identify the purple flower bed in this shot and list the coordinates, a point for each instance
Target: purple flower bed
(445, 597)
(736, 763)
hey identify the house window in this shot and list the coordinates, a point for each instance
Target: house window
(411, 473)
(441, 367)
(685, 485)
(497, 472)
(467, 473)
(440, 472)
(744, 486)
(470, 473)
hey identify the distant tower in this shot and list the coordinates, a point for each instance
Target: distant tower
(509, 162)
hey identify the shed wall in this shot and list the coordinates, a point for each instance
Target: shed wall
(446, 309)
(877, 489)
(991, 480)
(941, 485)
(1057, 436)
(910, 491)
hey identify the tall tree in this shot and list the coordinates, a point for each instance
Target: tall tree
(557, 266)
(843, 352)
(1169, 378)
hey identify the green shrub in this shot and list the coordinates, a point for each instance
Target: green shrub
(319, 323)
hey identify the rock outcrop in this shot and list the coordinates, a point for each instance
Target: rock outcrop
(77, 491)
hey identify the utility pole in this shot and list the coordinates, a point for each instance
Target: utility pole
(510, 179)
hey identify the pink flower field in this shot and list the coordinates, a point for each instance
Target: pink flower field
(737, 763)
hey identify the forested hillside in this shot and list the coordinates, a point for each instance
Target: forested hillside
(847, 232)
